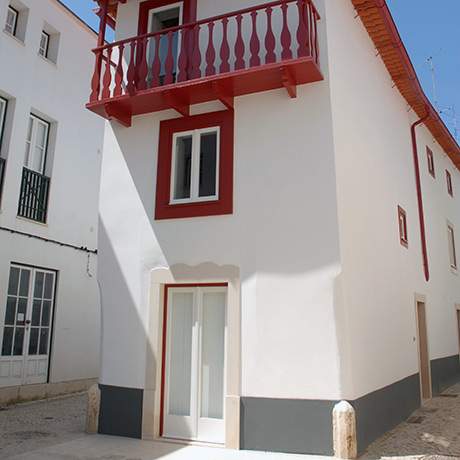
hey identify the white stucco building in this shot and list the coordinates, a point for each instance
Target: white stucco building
(279, 209)
(49, 170)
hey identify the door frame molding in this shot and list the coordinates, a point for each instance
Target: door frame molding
(421, 299)
(203, 274)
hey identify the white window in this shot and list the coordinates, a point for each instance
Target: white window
(44, 44)
(195, 166)
(452, 250)
(3, 104)
(11, 20)
(36, 144)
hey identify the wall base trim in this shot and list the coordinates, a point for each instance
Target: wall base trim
(445, 372)
(25, 393)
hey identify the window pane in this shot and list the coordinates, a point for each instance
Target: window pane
(38, 290)
(14, 281)
(11, 20)
(43, 341)
(18, 341)
(208, 164)
(452, 253)
(10, 310)
(24, 286)
(46, 313)
(180, 357)
(7, 341)
(183, 167)
(213, 355)
(42, 130)
(36, 311)
(22, 308)
(33, 343)
(28, 141)
(48, 286)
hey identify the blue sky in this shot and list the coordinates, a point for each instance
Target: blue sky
(428, 29)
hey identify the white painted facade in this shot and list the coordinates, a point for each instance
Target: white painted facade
(324, 291)
(54, 89)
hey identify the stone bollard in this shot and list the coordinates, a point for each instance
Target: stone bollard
(92, 411)
(344, 423)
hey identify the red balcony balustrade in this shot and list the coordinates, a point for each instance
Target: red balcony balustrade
(247, 51)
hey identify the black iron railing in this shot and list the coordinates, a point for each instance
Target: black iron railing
(2, 174)
(33, 201)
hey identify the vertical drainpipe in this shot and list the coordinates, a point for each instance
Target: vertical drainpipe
(419, 195)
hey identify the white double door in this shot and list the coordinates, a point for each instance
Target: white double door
(195, 364)
(26, 321)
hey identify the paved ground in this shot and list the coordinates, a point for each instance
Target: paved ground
(53, 430)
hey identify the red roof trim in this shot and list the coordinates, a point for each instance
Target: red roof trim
(379, 23)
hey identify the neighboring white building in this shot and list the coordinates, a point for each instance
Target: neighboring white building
(271, 239)
(49, 169)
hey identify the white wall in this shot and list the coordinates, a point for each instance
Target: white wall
(282, 236)
(375, 174)
(57, 92)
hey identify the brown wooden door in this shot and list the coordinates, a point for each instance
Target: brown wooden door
(424, 357)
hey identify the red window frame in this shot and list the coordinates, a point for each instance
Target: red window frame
(450, 189)
(189, 12)
(402, 224)
(430, 161)
(224, 204)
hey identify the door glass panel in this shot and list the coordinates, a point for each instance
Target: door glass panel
(22, 309)
(213, 355)
(18, 341)
(38, 290)
(208, 164)
(36, 311)
(29, 142)
(14, 281)
(46, 313)
(10, 310)
(183, 167)
(180, 357)
(7, 341)
(43, 341)
(24, 286)
(33, 343)
(48, 286)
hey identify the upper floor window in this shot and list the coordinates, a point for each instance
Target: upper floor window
(452, 249)
(450, 189)
(195, 166)
(44, 44)
(3, 105)
(12, 16)
(36, 144)
(430, 161)
(402, 220)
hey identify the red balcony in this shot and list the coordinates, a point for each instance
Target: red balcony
(271, 46)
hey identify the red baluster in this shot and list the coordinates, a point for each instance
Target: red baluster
(118, 90)
(255, 42)
(156, 64)
(131, 74)
(302, 31)
(196, 55)
(183, 57)
(286, 40)
(96, 80)
(107, 80)
(239, 45)
(316, 44)
(169, 63)
(270, 38)
(224, 48)
(211, 52)
(309, 13)
(143, 67)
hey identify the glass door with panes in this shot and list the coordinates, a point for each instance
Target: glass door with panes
(36, 144)
(160, 19)
(26, 326)
(193, 406)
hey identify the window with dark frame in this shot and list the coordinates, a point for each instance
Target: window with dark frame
(452, 248)
(44, 44)
(3, 107)
(11, 24)
(195, 166)
(430, 161)
(450, 189)
(402, 222)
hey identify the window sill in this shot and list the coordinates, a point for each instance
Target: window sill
(48, 60)
(24, 219)
(16, 39)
